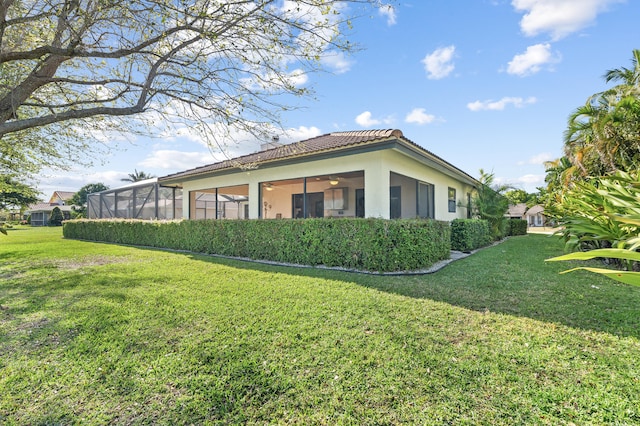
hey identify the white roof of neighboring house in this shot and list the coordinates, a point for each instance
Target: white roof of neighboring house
(46, 207)
(517, 210)
(535, 210)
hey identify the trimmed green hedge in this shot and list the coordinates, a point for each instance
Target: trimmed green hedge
(362, 244)
(470, 234)
(517, 227)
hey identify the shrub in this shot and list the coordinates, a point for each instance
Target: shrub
(470, 234)
(516, 227)
(363, 244)
(56, 217)
(78, 214)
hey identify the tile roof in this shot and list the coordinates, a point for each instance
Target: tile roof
(335, 141)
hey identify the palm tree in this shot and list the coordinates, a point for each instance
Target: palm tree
(491, 204)
(559, 173)
(603, 136)
(137, 176)
(629, 77)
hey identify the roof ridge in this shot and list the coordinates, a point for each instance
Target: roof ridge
(373, 132)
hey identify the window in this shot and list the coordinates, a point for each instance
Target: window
(395, 202)
(425, 206)
(452, 200)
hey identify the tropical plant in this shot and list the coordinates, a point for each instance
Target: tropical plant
(490, 203)
(603, 136)
(559, 174)
(137, 176)
(602, 212)
(628, 256)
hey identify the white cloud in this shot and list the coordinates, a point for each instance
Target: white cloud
(300, 134)
(389, 12)
(366, 120)
(531, 179)
(164, 161)
(419, 116)
(175, 160)
(438, 64)
(491, 105)
(528, 182)
(337, 61)
(559, 18)
(541, 158)
(243, 143)
(532, 60)
(297, 77)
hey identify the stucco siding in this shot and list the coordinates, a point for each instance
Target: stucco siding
(409, 167)
(377, 166)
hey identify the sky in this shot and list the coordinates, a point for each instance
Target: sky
(483, 84)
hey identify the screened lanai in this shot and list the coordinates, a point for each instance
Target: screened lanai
(140, 200)
(337, 195)
(231, 202)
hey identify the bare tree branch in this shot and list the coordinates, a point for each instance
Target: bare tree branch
(236, 61)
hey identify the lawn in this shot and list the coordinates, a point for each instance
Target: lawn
(95, 333)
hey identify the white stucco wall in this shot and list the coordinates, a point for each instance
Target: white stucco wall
(407, 166)
(377, 166)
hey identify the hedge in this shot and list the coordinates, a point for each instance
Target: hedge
(470, 234)
(362, 244)
(517, 227)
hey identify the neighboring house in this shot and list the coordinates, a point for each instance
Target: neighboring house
(374, 173)
(517, 211)
(61, 198)
(535, 216)
(41, 212)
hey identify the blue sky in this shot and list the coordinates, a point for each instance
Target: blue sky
(481, 83)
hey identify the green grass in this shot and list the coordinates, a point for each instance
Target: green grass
(96, 333)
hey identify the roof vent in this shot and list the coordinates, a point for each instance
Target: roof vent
(273, 143)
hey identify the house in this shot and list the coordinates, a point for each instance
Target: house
(535, 216)
(61, 198)
(41, 212)
(373, 173)
(516, 211)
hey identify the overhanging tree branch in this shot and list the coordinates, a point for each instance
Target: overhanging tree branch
(230, 62)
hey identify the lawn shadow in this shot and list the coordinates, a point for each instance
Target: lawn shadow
(511, 278)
